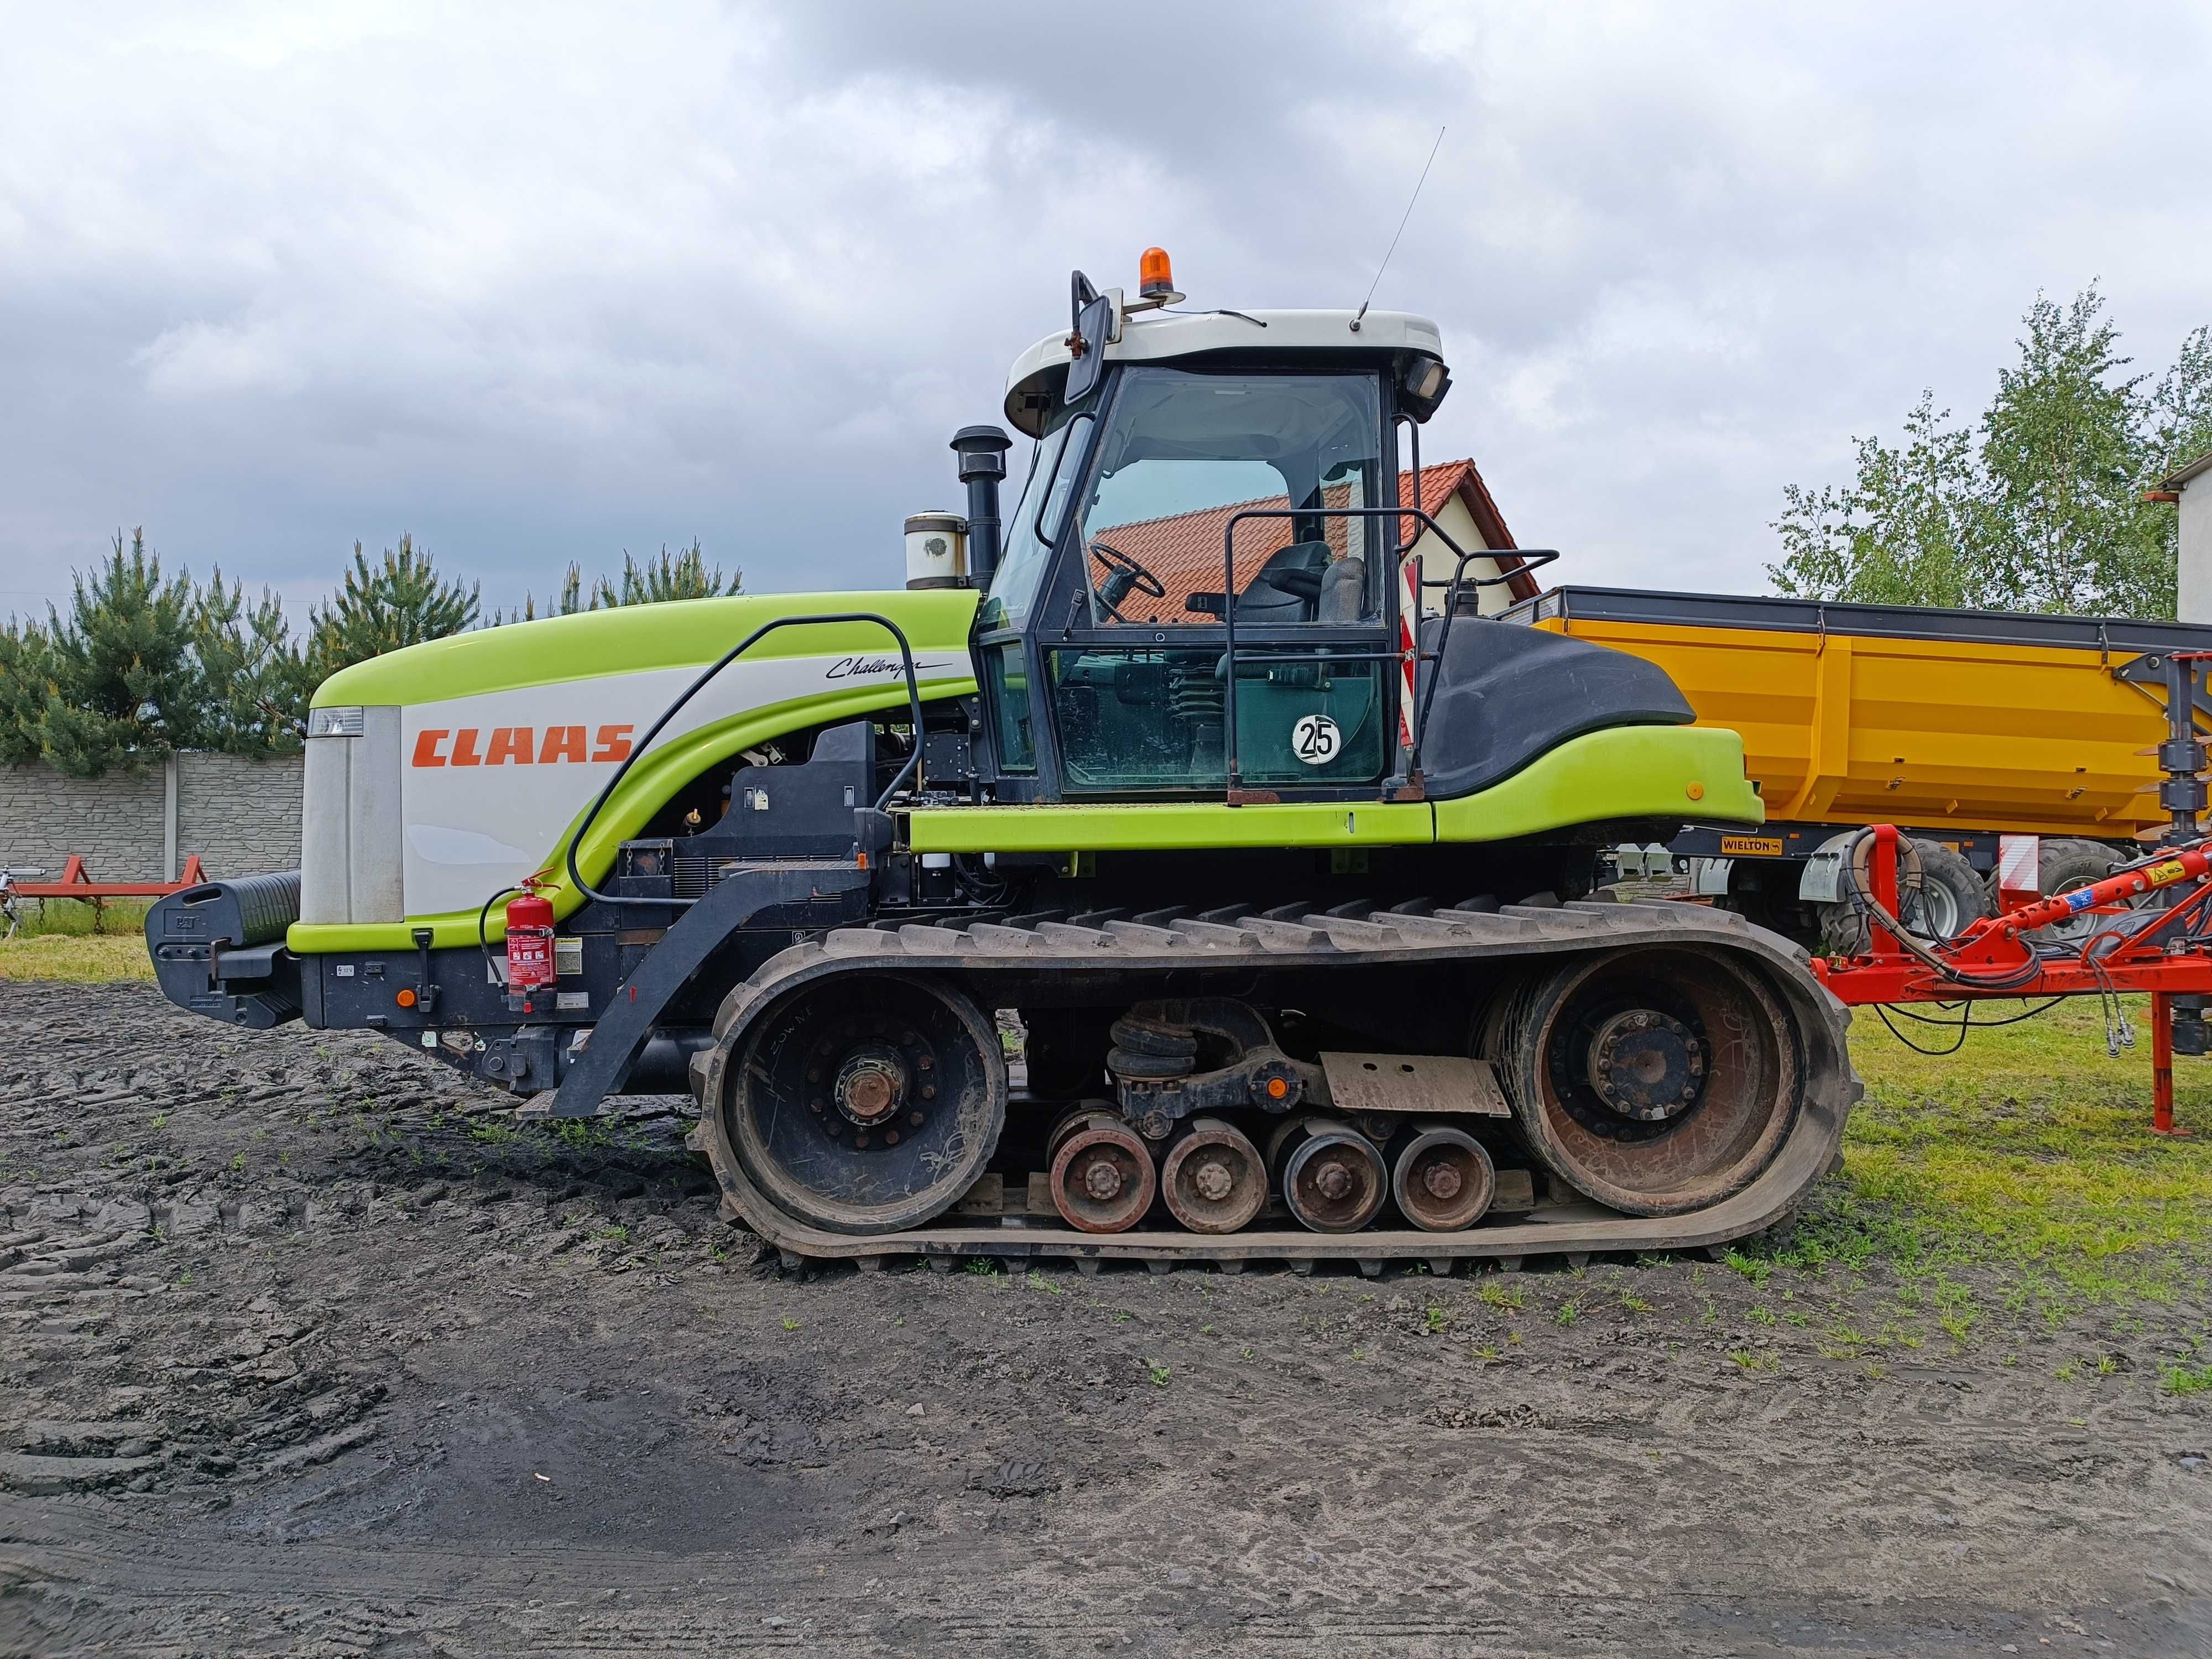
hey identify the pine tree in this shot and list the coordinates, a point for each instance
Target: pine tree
(23, 671)
(124, 683)
(399, 602)
(257, 684)
(683, 576)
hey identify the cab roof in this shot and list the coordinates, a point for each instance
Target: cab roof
(1163, 336)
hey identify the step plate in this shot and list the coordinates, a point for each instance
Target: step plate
(1427, 1083)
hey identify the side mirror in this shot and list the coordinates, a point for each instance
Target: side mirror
(1094, 323)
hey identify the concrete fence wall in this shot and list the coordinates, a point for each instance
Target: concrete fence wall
(240, 816)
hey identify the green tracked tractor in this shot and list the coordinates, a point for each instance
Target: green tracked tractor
(1169, 871)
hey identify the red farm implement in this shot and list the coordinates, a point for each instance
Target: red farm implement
(77, 882)
(2146, 928)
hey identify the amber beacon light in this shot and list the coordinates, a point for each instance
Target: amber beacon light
(1156, 278)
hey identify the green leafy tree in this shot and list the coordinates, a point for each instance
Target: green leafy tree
(2064, 446)
(1904, 533)
(401, 601)
(2040, 507)
(256, 683)
(123, 683)
(2181, 408)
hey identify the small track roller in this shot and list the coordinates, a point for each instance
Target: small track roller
(1332, 1177)
(1442, 1178)
(1102, 1179)
(1214, 1179)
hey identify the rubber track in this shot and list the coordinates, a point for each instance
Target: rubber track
(1162, 940)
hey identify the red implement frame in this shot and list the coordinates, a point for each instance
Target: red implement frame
(2157, 951)
(77, 882)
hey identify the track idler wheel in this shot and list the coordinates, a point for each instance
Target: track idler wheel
(866, 1106)
(1102, 1180)
(1332, 1176)
(1213, 1178)
(1657, 1080)
(1442, 1178)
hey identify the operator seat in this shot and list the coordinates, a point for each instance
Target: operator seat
(1287, 588)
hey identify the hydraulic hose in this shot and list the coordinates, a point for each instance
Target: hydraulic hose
(2009, 978)
(914, 706)
(1911, 947)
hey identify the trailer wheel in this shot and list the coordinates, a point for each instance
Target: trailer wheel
(1949, 898)
(2065, 865)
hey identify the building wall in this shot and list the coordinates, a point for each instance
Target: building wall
(114, 823)
(2195, 511)
(240, 816)
(1438, 562)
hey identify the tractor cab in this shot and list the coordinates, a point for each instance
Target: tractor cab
(1196, 589)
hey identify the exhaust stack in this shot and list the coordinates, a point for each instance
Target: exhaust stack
(982, 452)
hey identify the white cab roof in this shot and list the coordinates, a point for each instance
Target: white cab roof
(1159, 336)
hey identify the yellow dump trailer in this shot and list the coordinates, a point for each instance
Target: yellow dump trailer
(1960, 725)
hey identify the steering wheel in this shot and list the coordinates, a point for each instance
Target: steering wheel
(1123, 577)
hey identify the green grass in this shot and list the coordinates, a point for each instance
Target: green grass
(2029, 1151)
(80, 957)
(75, 919)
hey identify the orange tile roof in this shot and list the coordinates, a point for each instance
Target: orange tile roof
(1184, 550)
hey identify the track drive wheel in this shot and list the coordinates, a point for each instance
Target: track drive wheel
(1656, 1080)
(863, 1104)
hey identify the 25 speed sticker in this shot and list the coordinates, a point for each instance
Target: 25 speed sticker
(1315, 739)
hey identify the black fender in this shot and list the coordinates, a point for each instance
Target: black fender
(811, 893)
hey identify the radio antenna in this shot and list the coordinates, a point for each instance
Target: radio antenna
(1392, 248)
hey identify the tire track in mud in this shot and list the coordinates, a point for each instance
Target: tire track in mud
(337, 1359)
(123, 1370)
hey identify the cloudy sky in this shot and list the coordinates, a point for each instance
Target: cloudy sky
(542, 282)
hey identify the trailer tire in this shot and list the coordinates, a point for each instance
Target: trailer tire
(1952, 897)
(2065, 864)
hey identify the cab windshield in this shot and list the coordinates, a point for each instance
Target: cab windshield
(1185, 452)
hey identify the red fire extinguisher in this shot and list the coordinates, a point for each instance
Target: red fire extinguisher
(529, 941)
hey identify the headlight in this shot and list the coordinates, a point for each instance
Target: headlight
(335, 722)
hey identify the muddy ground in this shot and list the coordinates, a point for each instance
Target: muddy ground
(305, 1350)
